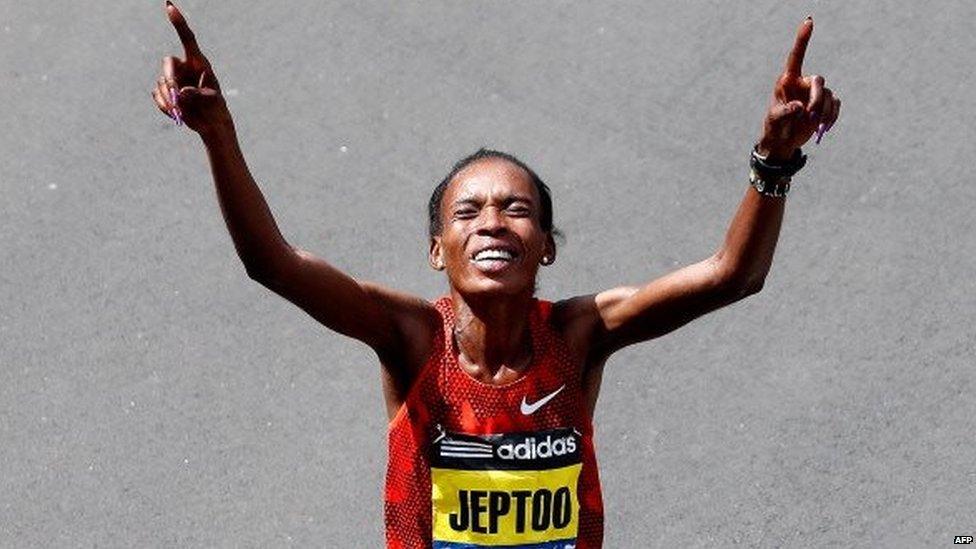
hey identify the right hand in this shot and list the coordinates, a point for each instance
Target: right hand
(191, 81)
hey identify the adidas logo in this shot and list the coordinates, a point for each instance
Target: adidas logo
(531, 448)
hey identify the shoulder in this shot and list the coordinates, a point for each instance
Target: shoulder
(581, 320)
(575, 320)
(418, 323)
(407, 309)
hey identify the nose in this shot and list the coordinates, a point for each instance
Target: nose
(491, 220)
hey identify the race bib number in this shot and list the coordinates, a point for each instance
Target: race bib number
(511, 490)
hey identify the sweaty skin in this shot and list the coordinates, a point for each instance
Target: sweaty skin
(490, 204)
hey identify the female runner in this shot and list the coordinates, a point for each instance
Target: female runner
(490, 391)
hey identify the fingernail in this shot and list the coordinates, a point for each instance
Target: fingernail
(176, 110)
(820, 131)
(813, 116)
(831, 125)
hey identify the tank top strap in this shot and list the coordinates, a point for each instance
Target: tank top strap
(539, 326)
(446, 310)
(544, 309)
(553, 352)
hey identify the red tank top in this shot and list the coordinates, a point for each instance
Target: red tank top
(475, 465)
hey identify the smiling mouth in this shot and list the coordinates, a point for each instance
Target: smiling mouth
(494, 259)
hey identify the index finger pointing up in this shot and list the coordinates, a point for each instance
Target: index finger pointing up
(794, 63)
(183, 29)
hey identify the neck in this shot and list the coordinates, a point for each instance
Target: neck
(493, 336)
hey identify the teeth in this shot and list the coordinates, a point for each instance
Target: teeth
(493, 254)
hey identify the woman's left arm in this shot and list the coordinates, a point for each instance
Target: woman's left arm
(801, 107)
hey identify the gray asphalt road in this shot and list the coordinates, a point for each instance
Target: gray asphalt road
(152, 395)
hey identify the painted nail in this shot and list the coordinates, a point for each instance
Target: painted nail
(820, 131)
(176, 110)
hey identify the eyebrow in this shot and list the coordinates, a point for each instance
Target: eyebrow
(470, 200)
(466, 201)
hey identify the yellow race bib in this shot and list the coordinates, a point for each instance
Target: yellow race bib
(511, 490)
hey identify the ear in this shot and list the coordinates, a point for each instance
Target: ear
(549, 250)
(436, 254)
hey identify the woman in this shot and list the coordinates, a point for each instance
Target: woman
(490, 392)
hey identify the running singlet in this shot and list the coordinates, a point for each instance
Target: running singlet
(473, 465)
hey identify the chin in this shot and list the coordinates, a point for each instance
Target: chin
(502, 288)
(501, 281)
(487, 286)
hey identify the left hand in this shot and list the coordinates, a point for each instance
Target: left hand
(801, 106)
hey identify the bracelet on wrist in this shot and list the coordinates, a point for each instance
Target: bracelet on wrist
(773, 178)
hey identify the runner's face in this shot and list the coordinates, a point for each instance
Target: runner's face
(491, 240)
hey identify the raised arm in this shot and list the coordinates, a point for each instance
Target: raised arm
(399, 327)
(800, 107)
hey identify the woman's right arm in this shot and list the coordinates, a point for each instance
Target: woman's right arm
(398, 326)
(360, 310)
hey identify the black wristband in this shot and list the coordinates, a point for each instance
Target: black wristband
(773, 179)
(774, 170)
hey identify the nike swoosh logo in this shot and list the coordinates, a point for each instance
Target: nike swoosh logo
(529, 409)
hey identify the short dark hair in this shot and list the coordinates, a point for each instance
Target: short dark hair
(434, 225)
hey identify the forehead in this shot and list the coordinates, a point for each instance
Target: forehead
(491, 178)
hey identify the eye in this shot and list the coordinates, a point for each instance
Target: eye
(465, 213)
(519, 210)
